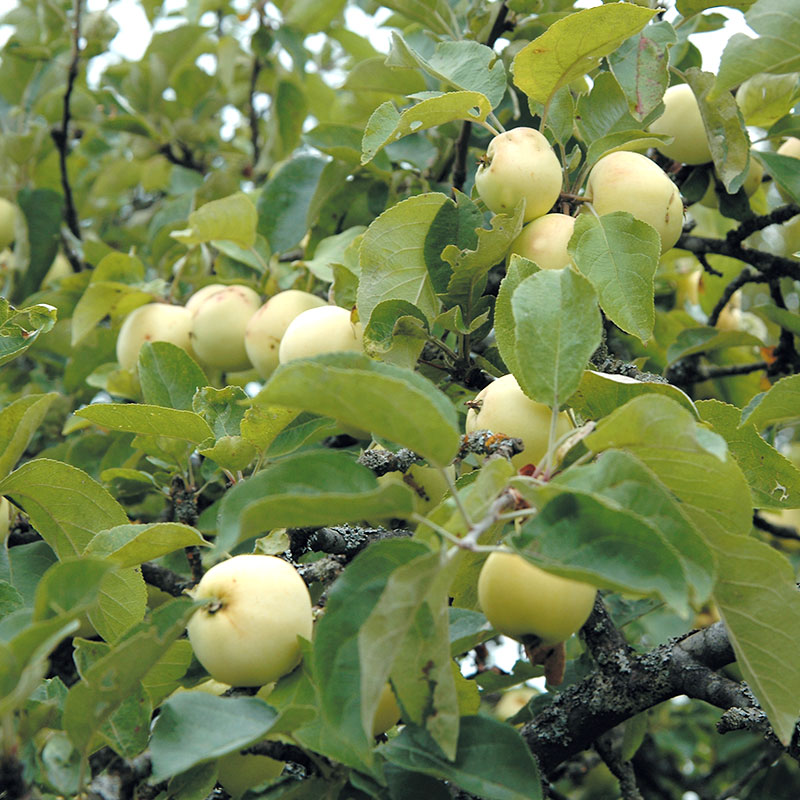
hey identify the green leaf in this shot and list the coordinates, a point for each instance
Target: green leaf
(776, 49)
(689, 8)
(283, 203)
(781, 404)
(774, 480)
(467, 630)
(336, 664)
(641, 65)
(104, 298)
(164, 677)
(727, 135)
(573, 46)
(396, 333)
(785, 171)
(435, 15)
(622, 140)
(766, 99)
(261, 424)
(20, 328)
(623, 480)
(465, 65)
(691, 341)
(588, 538)
(387, 124)
(195, 727)
(223, 409)
(471, 266)
(604, 111)
(505, 328)
(395, 403)
(64, 504)
(394, 256)
(19, 421)
(558, 327)
(619, 255)
(232, 218)
(44, 214)
(233, 453)
(107, 683)
(168, 375)
(131, 545)
(147, 419)
(491, 760)
(599, 394)
(121, 604)
(68, 588)
(313, 488)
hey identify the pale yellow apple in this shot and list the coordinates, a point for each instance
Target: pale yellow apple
(60, 268)
(791, 148)
(266, 327)
(519, 163)
(237, 772)
(218, 325)
(682, 119)
(255, 608)
(327, 329)
(429, 485)
(387, 713)
(520, 600)
(625, 181)
(545, 241)
(505, 408)
(752, 181)
(154, 322)
(512, 701)
(201, 295)
(8, 219)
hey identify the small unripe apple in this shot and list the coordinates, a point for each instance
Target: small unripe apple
(218, 324)
(520, 600)
(519, 164)
(255, 608)
(387, 713)
(545, 241)
(512, 701)
(682, 119)
(237, 772)
(154, 322)
(327, 329)
(201, 295)
(791, 148)
(266, 327)
(625, 181)
(60, 268)
(505, 408)
(8, 219)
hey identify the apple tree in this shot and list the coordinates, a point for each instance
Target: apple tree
(388, 291)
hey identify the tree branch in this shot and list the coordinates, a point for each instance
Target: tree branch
(61, 135)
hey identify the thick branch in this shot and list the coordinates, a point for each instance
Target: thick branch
(586, 710)
(753, 224)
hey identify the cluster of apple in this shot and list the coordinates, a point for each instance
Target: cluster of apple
(228, 328)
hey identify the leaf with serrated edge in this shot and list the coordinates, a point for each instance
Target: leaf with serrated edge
(781, 404)
(19, 421)
(130, 545)
(146, 419)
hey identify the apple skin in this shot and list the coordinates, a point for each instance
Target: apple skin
(791, 148)
(266, 327)
(247, 633)
(682, 119)
(8, 219)
(507, 409)
(327, 329)
(219, 321)
(545, 241)
(625, 181)
(512, 701)
(237, 772)
(60, 268)
(519, 163)
(428, 479)
(201, 295)
(154, 322)
(387, 713)
(519, 599)
(5, 518)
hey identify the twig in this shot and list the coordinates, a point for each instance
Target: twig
(185, 159)
(705, 373)
(745, 276)
(758, 223)
(164, 579)
(61, 135)
(766, 759)
(781, 531)
(786, 356)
